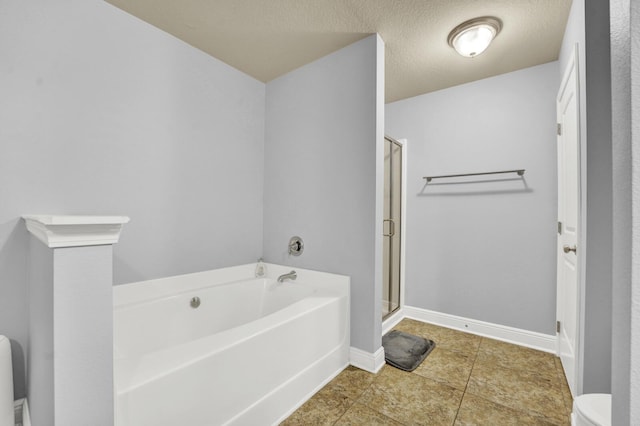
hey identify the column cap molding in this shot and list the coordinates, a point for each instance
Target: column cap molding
(57, 231)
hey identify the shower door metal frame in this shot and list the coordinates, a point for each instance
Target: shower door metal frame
(395, 229)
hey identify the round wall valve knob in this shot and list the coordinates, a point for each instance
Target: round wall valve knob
(296, 246)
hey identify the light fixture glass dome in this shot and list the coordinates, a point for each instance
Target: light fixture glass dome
(472, 37)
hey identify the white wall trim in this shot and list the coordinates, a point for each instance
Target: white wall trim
(530, 339)
(392, 321)
(57, 231)
(371, 362)
(403, 225)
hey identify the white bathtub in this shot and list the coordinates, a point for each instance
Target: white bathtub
(250, 354)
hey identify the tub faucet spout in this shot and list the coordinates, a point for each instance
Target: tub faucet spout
(290, 276)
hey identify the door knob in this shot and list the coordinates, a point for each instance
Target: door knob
(567, 249)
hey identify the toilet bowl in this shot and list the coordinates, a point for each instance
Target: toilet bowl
(592, 409)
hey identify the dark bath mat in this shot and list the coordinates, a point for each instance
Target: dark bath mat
(405, 351)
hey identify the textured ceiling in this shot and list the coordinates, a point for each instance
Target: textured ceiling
(268, 38)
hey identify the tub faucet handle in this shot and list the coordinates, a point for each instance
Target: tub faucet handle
(296, 246)
(260, 269)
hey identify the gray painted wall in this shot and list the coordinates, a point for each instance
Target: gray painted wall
(483, 249)
(321, 172)
(634, 328)
(101, 113)
(625, 68)
(595, 109)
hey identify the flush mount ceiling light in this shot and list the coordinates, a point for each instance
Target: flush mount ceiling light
(472, 37)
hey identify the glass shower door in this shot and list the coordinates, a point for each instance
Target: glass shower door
(391, 227)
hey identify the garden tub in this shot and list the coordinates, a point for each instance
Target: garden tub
(224, 347)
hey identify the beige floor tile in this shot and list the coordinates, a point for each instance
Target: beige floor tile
(519, 390)
(361, 415)
(448, 367)
(417, 328)
(324, 408)
(460, 342)
(517, 357)
(445, 338)
(564, 386)
(479, 411)
(412, 399)
(505, 385)
(351, 382)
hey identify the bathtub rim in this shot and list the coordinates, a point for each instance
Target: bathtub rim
(157, 288)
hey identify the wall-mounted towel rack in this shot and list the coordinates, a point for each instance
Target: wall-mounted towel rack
(520, 172)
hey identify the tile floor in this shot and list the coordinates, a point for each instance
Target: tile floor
(466, 380)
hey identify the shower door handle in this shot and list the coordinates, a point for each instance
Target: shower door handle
(392, 228)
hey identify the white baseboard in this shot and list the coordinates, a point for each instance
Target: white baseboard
(371, 362)
(392, 321)
(530, 339)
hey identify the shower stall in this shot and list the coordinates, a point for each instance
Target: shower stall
(392, 226)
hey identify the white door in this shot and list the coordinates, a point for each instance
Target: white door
(568, 288)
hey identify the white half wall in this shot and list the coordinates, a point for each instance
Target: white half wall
(483, 248)
(323, 147)
(101, 113)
